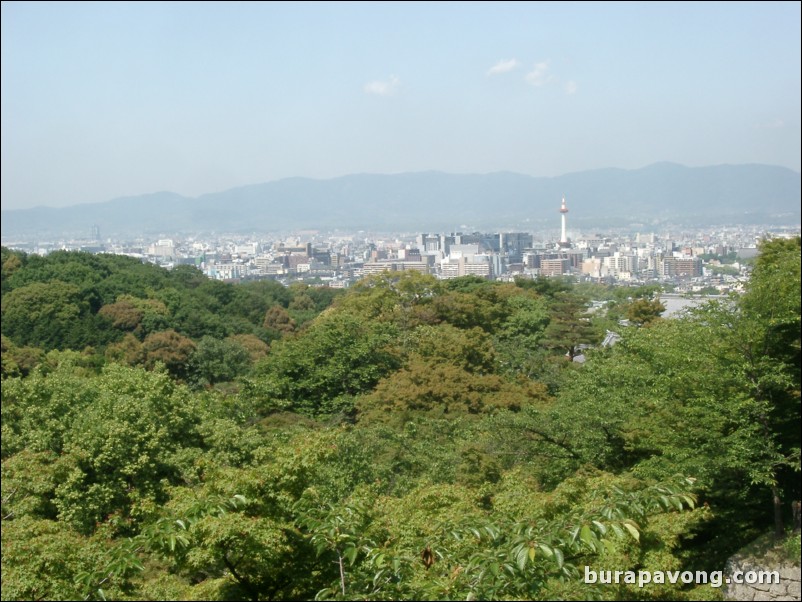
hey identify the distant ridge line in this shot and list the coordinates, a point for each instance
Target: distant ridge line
(425, 200)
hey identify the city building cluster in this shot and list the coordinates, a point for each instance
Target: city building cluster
(686, 261)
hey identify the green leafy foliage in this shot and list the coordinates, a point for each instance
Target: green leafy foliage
(338, 355)
(43, 558)
(50, 315)
(570, 325)
(214, 361)
(19, 361)
(105, 445)
(644, 311)
(69, 300)
(169, 348)
(444, 389)
(415, 440)
(279, 321)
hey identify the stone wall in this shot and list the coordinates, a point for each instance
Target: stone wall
(788, 588)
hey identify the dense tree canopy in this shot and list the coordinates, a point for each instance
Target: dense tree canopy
(165, 436)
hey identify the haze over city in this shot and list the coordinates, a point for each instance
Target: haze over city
(103, 100)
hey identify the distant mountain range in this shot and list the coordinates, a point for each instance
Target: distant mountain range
(430, 201)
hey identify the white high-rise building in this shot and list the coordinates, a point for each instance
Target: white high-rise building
(563, 235)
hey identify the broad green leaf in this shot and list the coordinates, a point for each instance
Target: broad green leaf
(521, 557)
(632, 530)
(350, 554)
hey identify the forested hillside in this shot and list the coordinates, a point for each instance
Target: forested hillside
(165, 436)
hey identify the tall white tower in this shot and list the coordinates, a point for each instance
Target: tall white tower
(563, 237)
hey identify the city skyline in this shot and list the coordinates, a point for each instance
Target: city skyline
(105, 100)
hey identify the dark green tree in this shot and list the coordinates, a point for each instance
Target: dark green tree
(767, 335)
(215, 361)
(53, 315)
(570, 325)
(339, 354)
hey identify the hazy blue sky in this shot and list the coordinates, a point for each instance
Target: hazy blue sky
(105, 100)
